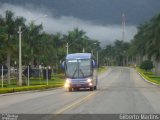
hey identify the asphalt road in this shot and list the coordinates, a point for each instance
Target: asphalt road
(120, 90)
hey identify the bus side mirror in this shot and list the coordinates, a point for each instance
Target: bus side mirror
(93, 64)
(63, 65)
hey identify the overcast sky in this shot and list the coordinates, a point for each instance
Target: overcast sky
(105, 33)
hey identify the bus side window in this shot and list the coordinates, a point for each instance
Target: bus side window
(63, 65)
(93, 64)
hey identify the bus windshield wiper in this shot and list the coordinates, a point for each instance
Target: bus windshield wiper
(82, 72)
(74, 73)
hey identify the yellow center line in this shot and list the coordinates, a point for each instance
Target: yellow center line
(76, 103)
(84, 99)
(116, 76)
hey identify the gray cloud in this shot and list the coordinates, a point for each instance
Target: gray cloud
(52, 24)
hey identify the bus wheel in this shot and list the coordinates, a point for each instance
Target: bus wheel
(69, 89)
(91, 88)
(95, 87)
(76, 89)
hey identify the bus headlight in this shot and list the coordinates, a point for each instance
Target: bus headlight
(68, 80)
(66, 85)
(90, 84)
(89, 80)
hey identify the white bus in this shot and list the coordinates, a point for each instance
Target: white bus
(80, 71)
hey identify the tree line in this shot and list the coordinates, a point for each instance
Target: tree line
(41, 48)
(144, 46)
(38, 47)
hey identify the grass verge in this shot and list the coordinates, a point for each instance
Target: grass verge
(28, 88)
(102, 69)
(35, 84)
(150, 76)
(39, 83)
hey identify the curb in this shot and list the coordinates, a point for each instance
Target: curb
(31, 91)
(148, 81)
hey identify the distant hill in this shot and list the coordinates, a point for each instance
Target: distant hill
(100, 11)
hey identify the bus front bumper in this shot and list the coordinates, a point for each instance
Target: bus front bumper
(87, 85)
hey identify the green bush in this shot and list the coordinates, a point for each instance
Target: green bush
(6, 90)
(146, 65)
(26, 88)
(152, 78)
(148, 73)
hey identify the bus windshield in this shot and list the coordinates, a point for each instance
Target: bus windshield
(78, 68)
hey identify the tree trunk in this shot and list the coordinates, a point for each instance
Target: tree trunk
(123, 61)
(133, 62)
(144, 58)
(127, 60)
(32, 57)
(138, 59)
(9, 67)
(157, 68)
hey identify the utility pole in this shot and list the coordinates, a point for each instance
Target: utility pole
(47, 75)
(28, 75)
(97, 59)
(123, 27)
(83, 50)
(67, 48)
(123, 36)
(20, 52)
(20, 57)
(2, 76)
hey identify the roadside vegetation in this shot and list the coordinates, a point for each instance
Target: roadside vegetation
(42, 49)
(35, 84)
(38, 47)
(148, 75)
(145, 70)
(144, 46)
(102, 69)
(56, 81)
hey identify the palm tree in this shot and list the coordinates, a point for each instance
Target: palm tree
(108, 55)
(154, 43)
(3, 39)
(11, 24)
(31, 42)
(147, 41)
(139, 43)
(75, 38)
